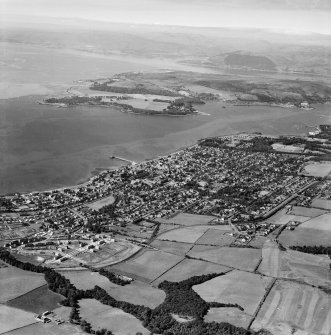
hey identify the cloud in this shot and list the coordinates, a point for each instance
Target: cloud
(299, 15)
(256, 4)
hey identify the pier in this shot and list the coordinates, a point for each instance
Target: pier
(123, 159)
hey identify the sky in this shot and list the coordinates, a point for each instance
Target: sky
(295, 16)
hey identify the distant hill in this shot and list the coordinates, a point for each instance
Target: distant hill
(249, 61)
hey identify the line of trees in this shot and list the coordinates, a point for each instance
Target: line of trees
(313, 249)
(113, 277)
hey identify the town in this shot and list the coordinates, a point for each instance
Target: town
(230, 178)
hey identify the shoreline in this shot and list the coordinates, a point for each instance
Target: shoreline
(98, 170)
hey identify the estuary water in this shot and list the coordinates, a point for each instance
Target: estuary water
(43, 147)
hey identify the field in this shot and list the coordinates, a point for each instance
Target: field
(15, 282)
(49, 329)
(216, 237)
(186, 219)
(322, 203)
(318, 169)
(239, 258)
(37, 301)
(85, 280)
(3, 265)
(114, 319)
(137, 232)
(291, 264)
(258, 242)
(33, 258)
(322, 222)
(189, 268)
(101, 203)
(286, 218)
(12, 318)
(290, 306)
(305, 236)
(165, 227)
(304, 211)
(17, 232)
(137, 102)
(236, 287)
(188, 235)
(139, 293)
(176, 248)
(228, 314)
(147, 265)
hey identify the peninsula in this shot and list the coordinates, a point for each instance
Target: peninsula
(180, 93)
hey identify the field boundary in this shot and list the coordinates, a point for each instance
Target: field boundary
(262, 302)
(9, 332)
(22, 295)
(167, 270)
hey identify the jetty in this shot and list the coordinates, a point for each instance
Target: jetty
(124, 160)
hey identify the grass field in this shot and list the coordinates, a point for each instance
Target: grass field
(187, 219)
(96, 205)
(139, 293)
(48, 329)
(148, 264)
(290, 306)
(236, 287)
(37, 301)
(322, 203)
(114, 319)
(188, 235)
(216, 237)
(304, 211)
(239, 258)
(286, 218)
(166, 227)
(149, 104)
(291, 264)
(189, 268)
(85, 280)
(3, 265)
(177, 248)
(12, 318)
(322, 169)
(305, 236)
(230, 315)
(258, 242)
(322, 222)
(15, 282)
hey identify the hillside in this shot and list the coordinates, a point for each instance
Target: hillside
(250, 61)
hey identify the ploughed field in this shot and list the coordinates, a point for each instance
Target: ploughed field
(290, 264)
(295, 306)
